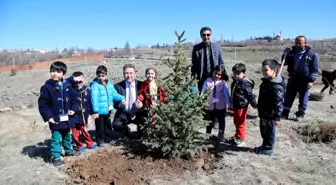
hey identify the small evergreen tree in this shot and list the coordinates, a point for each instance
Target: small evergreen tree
(178, 123)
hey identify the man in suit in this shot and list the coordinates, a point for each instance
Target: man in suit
(205, 57)
(129, 88)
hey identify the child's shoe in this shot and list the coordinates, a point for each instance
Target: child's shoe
(73, 153)
(57, 162)
(231, 140)
(93, 146)
(261, 151)
(239, 143)
(82, 149)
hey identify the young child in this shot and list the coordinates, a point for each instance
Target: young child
(103, 94)
(83, 94)
(150, 92)
(270, 105)
(57, 105)
(218, 100)
(241, 96)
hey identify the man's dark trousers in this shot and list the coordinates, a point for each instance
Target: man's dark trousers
(294, 86)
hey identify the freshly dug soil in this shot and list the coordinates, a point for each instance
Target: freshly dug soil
(115, 166)
(318, 132)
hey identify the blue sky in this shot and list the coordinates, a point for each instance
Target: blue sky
(104, 24)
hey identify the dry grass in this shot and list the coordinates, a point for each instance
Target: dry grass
(24, 137)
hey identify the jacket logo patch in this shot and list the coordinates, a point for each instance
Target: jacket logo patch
(84, 100)
(85, 93)
(67, 89)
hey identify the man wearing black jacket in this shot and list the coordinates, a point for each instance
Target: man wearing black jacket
(270, 105)
(303, 71)
(129, 88)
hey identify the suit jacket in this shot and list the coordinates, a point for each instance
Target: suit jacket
(121, 89)
(197, 58)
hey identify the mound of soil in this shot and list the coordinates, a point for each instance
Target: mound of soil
(115, 166)
(316, 97)
(318, 132)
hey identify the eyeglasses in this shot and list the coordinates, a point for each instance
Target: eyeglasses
(78, 82)
(206, 35)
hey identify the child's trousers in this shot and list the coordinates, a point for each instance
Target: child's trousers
(267, 131)
(239, 119)
(81, 128)
(103, 129)
(60, 138)
(220, 115)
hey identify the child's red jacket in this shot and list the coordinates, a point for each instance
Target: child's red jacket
(144, 92)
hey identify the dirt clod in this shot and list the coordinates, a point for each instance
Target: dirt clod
(206, 166)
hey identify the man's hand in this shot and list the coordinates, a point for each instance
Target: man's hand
(52, 121)
(71, 112)
(277, 123)
(95, 116)
(310, 85)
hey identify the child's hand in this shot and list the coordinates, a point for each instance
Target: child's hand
(123, 102)
(95, 116)
(51, 120)
(277, 123)
(230, 109)
(71, 112)
(138, 104)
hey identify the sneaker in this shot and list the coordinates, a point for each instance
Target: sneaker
(93, 146)
(73, 153)
(82, 149)
(299, 116)
(232, 140)
(261, 151)
(239, 143)
(57, 162)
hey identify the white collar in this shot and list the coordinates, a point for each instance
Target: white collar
(132, 84)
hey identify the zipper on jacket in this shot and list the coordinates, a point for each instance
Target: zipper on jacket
(108, 103)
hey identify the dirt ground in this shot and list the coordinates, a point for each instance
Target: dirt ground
(114, 166)
(24, 139)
